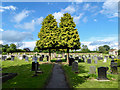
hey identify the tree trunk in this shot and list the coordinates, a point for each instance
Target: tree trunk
(49, 55)
(68, 55)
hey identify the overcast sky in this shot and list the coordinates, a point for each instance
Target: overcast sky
(97, 22)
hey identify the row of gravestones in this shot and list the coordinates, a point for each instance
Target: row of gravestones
(24, 57)
(102, 71)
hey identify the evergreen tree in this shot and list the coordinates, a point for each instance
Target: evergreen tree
(48, 34)
(69, 37)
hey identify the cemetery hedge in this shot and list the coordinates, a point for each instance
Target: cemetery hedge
(85, 80)
(24, 78)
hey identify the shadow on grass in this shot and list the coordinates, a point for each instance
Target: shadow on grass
(24, 78)
(74, 79)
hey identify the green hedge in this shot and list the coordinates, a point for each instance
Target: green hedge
(63, 60)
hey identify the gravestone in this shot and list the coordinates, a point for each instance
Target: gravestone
(102, 73)
(71, 60)
(26, 58)
(75, 66)
(20, 58)
(4, 57)
(88, 60)
(33, 66)
(83, 58)
(43, 56)
(47, 58)
(76, 58)
(92, 70)
(41, 59)
(95, 61)
(105, 59)
(12, 58)
(114, 67)
(65, 56)
(114, 70)
(34, 63)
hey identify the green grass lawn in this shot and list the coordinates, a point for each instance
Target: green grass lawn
(24, 78)
(85, 80)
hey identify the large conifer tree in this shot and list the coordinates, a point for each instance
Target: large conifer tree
(69, 37)
(48, 34)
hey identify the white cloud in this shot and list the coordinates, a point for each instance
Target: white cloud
(15, 36)
(77, 18)
(70, 9)
(57, 16)
(30, 25)
(110, 8)
(38, 20)
(95, 42)
(95, 20)
(2, 9)
(29, 45)
(20, 16)
(1, 29)
(85, 19)
(27, 25)
(86, 6)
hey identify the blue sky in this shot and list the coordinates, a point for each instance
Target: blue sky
(97, 22)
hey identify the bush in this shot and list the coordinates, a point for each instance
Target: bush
(4, 53)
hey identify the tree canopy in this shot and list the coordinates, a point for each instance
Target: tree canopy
(48, 33)
(69, 37)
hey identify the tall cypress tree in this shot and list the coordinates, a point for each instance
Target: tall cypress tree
(48, 34)
(69, 37)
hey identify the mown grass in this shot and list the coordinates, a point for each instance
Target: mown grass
(24, 78)
(85, 80)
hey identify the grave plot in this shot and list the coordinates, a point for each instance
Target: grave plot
(93, 75)
(24, 77)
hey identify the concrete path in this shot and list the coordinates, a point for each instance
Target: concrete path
(57, 79)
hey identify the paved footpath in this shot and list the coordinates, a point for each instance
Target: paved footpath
(57, 79)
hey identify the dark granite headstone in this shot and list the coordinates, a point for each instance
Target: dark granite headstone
(88, 60)
(24, 56)
(102, 73)
(79, 60)
(47, 58)
(76, 58)
(41, 59)
(33, 66)
(83, 59)
(43, 56)
(71, 60)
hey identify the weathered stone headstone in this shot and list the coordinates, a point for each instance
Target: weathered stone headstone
(102, 73)
(105, 59)
(95, 61)
(26, 58)
(114, 70)
(20, 58)
(75, 66)
(92, 70)
(88, 60)
(4, 57)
